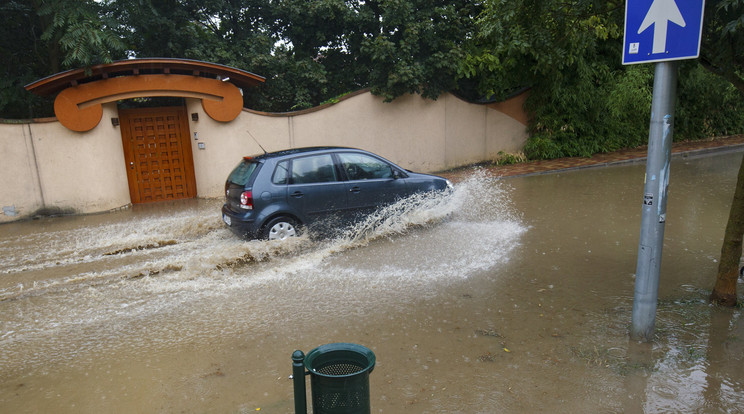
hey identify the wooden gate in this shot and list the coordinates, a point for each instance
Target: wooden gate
(157, 152)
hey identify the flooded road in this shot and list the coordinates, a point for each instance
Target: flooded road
(508, 295)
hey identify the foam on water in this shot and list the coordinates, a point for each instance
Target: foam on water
(109, 275)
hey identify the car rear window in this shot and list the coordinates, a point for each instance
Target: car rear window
(242, 173)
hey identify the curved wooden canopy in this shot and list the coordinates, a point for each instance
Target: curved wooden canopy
(82, 91)
(56, 83)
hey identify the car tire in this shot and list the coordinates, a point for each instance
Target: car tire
(280, 228)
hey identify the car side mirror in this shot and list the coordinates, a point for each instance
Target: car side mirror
(396, 174)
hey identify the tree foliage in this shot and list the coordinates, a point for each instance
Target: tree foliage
(417, 46)
(582, 100)
(567, 52)
(309, 50)
(159, 28)
(531, 42)
(77, 32)
(41, 37)
(24, 60)
(723, 40)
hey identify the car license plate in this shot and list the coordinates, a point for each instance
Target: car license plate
(226, 219)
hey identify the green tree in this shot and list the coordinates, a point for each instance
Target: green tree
(309, 50)
(582, 99)
(723, 54)
(24, 60)
(161, 28)
(528, 42)
(42, 37)
(415, 46)
(77, 33)
(315, 50)
(722, 49)
(569, 54)
(325, 48)
(313, 59)
(290, 42)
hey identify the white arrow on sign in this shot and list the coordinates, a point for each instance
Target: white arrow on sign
(660, 14)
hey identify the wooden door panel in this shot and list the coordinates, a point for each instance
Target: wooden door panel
(157, 150)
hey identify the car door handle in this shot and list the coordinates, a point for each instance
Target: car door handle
(297, 194)
(354, 189)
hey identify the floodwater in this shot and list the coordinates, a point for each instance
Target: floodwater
(506, 296)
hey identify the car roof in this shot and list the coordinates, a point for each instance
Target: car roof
(295, 151)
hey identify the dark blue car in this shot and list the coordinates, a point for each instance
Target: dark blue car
(274, 195)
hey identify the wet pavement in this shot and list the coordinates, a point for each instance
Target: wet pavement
(598, 160)
(506, 296)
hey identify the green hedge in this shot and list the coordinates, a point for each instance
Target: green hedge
(597, 110)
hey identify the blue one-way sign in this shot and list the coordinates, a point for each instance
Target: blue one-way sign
(662, 30)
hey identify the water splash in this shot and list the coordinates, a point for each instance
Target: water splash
(104, 277)
(194, 244)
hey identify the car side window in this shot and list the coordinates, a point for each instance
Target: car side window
(281, 173)
(364, 167)
(313, 169)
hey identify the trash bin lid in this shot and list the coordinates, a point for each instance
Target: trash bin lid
(340, 359)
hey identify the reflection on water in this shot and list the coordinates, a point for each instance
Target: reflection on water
(504, 296)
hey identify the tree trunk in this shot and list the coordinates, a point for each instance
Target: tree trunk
(724, 292)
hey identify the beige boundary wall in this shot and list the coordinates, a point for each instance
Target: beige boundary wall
(45, 167)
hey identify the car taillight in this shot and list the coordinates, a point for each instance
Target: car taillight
(246, 200)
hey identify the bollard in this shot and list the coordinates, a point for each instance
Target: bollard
(339, 378)
(298, 378)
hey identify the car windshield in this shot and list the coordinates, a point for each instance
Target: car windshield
(242, 173)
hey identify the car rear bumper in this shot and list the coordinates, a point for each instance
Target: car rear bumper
(240, 223)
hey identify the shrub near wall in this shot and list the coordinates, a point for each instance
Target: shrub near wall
(608, 111)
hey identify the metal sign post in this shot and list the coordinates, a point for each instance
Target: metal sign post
(654, 202)
(677, 27)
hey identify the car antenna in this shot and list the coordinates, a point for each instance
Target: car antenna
(259, 144)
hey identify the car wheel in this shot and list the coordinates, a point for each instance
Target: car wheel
(281, 228)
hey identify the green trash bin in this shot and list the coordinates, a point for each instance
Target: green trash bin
(339, 378)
